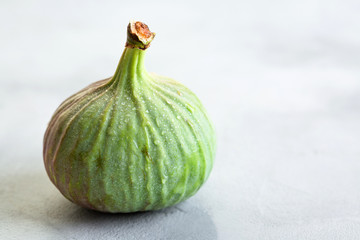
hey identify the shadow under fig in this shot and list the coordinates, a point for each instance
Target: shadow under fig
(32, 199)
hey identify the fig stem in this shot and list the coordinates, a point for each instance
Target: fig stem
(138, 35)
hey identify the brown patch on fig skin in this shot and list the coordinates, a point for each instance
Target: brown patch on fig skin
(146, 153)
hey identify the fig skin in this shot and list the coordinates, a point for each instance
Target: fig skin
(133, 142)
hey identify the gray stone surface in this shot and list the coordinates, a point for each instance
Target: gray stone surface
(280, 79)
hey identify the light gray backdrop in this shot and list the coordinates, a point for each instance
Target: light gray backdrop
(280, 79)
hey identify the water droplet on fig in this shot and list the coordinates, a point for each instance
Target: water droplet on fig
(135, 144)
(189, 108)
(158, 122)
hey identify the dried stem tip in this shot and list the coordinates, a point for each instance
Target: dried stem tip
(139, 35)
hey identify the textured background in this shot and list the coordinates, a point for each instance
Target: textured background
(281, 80)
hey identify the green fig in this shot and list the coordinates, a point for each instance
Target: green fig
(133, 142)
